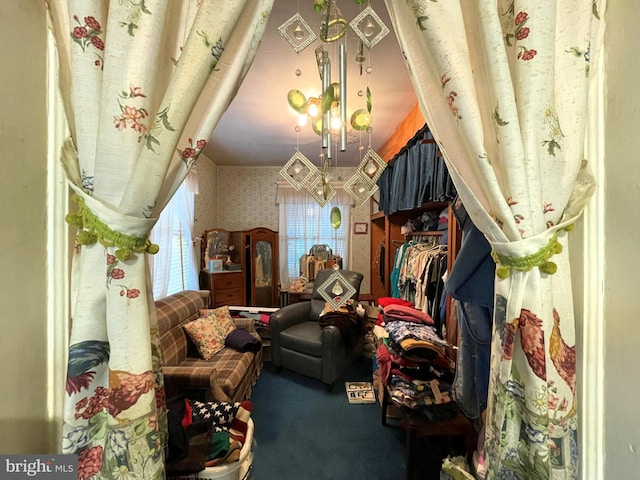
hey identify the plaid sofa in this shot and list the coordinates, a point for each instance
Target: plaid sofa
(228, 377)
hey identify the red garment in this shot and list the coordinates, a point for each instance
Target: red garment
(383, 357)
(386, 360)
(188, 414)
(408, 314)
(384, 301)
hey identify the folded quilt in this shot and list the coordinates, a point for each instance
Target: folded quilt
(401, 330)
(229, 422)
(202, 434)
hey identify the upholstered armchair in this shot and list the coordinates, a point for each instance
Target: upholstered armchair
(300, 343)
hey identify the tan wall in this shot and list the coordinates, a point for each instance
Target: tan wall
(622, 252)
(205, 201)
(23, 188)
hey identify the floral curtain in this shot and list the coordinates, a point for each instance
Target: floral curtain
(144, 83)
(503, 85)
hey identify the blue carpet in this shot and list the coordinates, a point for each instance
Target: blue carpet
(304, 432)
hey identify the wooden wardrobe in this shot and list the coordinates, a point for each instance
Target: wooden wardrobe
(259, 254)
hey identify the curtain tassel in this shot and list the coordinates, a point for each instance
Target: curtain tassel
(538, 259)
(94, 230)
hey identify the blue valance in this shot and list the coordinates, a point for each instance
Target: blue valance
(414, 176)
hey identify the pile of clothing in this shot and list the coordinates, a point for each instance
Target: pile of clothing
(204, 434)
(412, 357)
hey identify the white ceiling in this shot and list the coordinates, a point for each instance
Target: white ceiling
(258, 129)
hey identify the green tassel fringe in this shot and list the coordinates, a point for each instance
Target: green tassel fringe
(93, 230)
(539, 259)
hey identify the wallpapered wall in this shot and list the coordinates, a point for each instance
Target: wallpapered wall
(205, 200)
(242, 198)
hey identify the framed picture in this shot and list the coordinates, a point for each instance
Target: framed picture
(360, 228)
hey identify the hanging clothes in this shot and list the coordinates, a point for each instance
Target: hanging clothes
(394, 276)
(417, 276)
(471, 282)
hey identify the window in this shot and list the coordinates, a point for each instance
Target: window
(304, 223)
(174, 267)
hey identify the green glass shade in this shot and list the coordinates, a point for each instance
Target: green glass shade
(336, 217)
(327, 100)
(360, 120)
(316, 126)
(297, 100)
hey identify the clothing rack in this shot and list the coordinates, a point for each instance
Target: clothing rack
(426, 239)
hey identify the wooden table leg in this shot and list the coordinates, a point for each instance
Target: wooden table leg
(385, 406)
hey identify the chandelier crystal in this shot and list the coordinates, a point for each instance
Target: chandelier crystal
(368, 27)
(297, 32)
(336, 290)
(298, 171)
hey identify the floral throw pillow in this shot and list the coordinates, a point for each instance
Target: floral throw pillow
(209, 331)
(204, 336)
(221, 318)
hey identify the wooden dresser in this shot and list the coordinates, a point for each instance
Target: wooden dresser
(226, 287)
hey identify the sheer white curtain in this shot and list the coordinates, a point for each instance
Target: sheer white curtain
(304, 223)
(174, 267)
(144, 85)
(503, 86)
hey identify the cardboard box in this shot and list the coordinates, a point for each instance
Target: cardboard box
(215, 265)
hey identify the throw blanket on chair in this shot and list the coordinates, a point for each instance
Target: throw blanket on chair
(344, 319)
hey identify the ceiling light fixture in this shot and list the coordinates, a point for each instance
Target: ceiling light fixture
(328, 114)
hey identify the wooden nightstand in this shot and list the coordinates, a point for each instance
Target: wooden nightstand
(226, 287)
